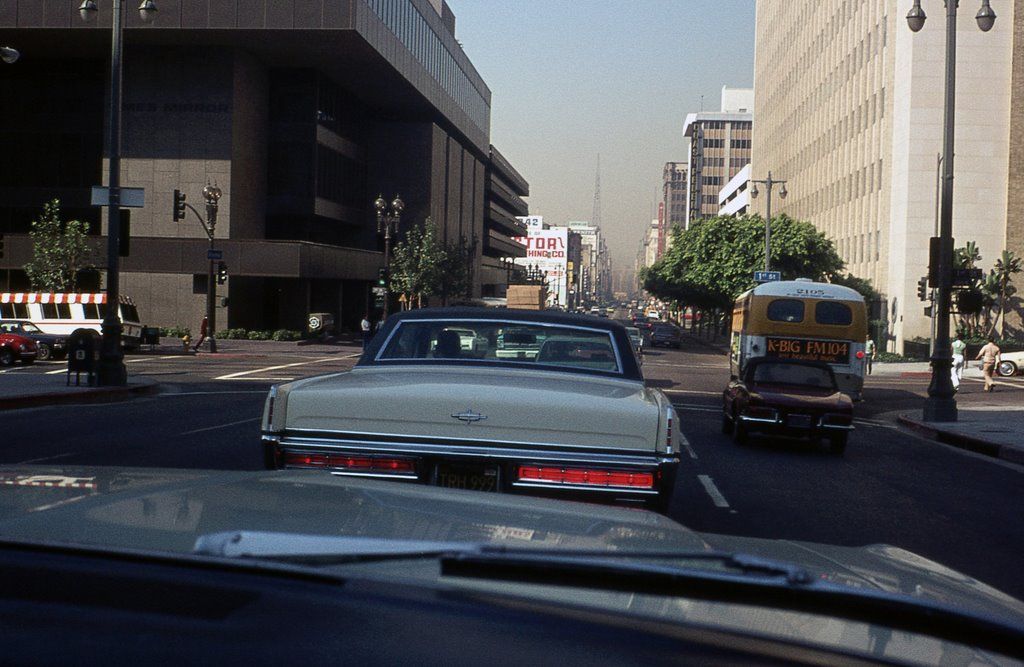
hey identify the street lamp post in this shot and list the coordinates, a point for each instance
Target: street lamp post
(768, 183)
(940, 406)
(211, 195)
(388, 218)
(111, 370)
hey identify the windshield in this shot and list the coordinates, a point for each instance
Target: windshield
(743, 276)
(509, 342)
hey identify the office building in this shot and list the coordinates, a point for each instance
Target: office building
(673, 190)
(849, 106)
(734, 198)
(720, 144)
(302, 113)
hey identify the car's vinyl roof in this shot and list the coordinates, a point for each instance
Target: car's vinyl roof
(511, 315)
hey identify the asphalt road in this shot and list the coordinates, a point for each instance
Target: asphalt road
(960, 509)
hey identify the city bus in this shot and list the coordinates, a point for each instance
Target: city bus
(62, 313)
(802, 319)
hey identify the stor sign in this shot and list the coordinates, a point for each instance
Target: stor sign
(547, 249)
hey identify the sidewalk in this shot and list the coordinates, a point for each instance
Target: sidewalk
(993, 430)
(27, 390)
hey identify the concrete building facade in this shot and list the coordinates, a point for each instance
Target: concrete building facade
(734, 198)
(673, 189)
(720, 145)
(302, 113)
(849, 106)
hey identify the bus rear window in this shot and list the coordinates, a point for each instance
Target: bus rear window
(786, 310)
(832, 312)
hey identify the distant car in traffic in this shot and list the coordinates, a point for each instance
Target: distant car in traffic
(667, 334)
(553, 404)
(16, 348)
(790, 398)
(637, 339)
(48, 345)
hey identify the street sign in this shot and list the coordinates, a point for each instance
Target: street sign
(380, 291)
(767, 276)
(966, 276)
(130, 197)
(214, 254)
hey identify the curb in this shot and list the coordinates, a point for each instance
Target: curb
(970, 443)
(91, 395)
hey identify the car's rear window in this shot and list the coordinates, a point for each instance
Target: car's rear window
(786, 310)
(832, 312)
(793, 374)
(532, 344)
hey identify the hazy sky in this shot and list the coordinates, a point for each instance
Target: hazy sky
(571, 79)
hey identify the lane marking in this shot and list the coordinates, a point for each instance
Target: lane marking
(261, 379)
(214, 428)
(47, 458)
(692, 391)
(213, 393)
(169, 356)
(713, 492)
(66, 501)
(687, 447)
(233, 376)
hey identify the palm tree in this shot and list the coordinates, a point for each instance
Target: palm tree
(1007, 265)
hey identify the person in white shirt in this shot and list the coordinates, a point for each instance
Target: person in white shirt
(367, 333)
(959, 347)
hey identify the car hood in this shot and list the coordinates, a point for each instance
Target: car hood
(16, 339)
(515, 406)
(782, 395)
(167, 510)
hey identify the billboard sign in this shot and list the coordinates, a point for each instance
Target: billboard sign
(547, 249)
(534, 223)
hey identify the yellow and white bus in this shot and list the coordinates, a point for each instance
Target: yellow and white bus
(802, 319)
(62, 313)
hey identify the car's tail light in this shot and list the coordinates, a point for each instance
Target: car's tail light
(860, 354)
(369, 464)
(587, 477)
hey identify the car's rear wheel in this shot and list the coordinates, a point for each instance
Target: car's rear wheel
(44, 352)
(1007, 369)
(837, 443)
(727, 425)
(6, 357)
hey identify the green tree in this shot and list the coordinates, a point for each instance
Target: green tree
(418, 264)
(457, 267)
(59, 251)
(1007, 266)
(714, 260)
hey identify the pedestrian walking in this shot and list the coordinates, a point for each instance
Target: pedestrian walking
(203, 331)
(367, 330)
(989, 356)
(959, 348)
(869, 354)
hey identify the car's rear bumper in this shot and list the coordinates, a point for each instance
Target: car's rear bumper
(816, 426)
(427, 458)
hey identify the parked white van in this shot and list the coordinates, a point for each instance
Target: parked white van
(62, 313)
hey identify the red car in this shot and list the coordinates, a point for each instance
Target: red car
(787, 397)
(16, 348)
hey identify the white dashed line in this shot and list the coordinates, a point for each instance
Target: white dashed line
(47, 458)
(241, 374)
(686, 445)
(716, 496)
(214, 428)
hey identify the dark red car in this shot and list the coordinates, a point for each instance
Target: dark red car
(16, 348)
(787, 397)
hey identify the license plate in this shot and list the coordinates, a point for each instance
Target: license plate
(470, 477)
(799, 421)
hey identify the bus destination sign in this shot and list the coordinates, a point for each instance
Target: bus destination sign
(830, 351)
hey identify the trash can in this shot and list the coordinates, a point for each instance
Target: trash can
(83, 355)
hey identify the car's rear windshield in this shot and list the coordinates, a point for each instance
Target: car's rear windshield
(793, 374)
(531, 344)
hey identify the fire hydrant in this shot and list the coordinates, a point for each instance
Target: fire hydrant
(186, 340)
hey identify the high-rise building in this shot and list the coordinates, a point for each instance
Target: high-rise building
(720, 144)
(301, 113)
(849, 107)
(673, 190)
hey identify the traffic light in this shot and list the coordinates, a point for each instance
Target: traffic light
(179, 205)
(222, 273)
(382, 277)
(922, 289)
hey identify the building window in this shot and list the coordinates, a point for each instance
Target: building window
(740, 143)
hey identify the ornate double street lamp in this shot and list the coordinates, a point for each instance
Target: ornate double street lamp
(388, 218)
(940, 406)
(768, 183)
(111, 369)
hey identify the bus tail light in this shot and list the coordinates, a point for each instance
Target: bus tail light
(860, 354)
